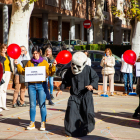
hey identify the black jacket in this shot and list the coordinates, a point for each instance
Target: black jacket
(79, 117)
(2, 59)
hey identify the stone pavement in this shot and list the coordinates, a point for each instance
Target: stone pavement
(112, 116)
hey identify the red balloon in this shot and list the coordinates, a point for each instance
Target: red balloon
(1, 71)
(130, 57)
(14, 51)
(63, 57)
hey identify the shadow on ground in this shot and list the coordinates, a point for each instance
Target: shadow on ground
(59, 130)
(114, 119)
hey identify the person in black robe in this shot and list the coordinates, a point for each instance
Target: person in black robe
(79, 117)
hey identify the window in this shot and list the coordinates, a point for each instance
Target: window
(79, 42)
(98, 57)
(105, 6)
(91, 56)
(117, 59)
(66, 4)
(54, 3)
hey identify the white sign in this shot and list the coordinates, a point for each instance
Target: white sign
(35, 74)
(86, 23)
(137, 69)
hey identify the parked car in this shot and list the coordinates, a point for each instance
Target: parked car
(58, 46)
(73, 42)
(41, 42)
(85, 43)
(104, 42)
(96, 57)
(125, 43)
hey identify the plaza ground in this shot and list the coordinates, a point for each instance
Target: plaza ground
(113, 116)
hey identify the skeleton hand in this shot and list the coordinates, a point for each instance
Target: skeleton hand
(60, 91)
(89, 87)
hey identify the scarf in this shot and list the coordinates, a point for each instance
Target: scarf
(37, 61)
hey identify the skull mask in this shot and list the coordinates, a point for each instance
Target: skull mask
(78, 62)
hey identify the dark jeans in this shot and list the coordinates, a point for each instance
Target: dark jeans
(128, 77)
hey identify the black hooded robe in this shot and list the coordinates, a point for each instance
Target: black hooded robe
(79, 117)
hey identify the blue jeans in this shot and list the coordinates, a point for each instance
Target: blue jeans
(33, 90)
(128, 77)
(51, 84)
(45, 86)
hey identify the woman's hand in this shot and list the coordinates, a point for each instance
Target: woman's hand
(89, 87)
(60, 91)
(15, 61)
(104, 60)
(55, 62)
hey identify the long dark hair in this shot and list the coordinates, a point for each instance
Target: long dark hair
(35, 48)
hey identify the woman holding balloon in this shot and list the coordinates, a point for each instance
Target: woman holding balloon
(37, 87)
(128, 60)
(6, 76)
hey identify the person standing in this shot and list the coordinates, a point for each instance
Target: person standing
(6, 76)
(126, 70)
(35, 88)
(50, 59)
(19, 86)
(79, 117)
(88, 59)
(108, 63)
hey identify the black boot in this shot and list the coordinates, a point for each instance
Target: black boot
(51, 95)
(50, 102)
(135, 115)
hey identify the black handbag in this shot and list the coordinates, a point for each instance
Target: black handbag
(21, 78)
(2, 82)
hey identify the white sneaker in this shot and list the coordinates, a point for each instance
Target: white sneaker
(112, 93)
(42, 128)
(104, 93)
(31, 126)
(6, 109)
(1, 109)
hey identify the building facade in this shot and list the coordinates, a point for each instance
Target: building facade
(54, 19)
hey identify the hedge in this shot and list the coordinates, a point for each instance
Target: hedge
(90, 47)
(116, 49)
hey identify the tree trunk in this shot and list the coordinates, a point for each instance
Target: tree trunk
(98, 22)
(19, 26)
(136, 37)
